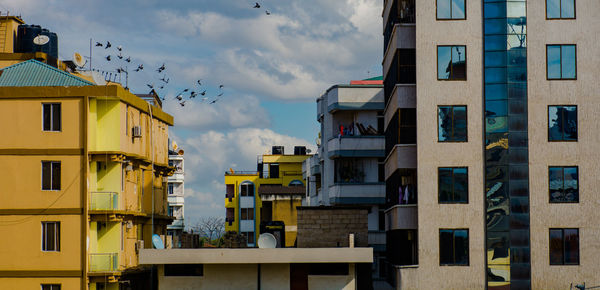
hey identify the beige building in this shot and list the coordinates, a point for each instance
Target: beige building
(277, 268)
(500, 176)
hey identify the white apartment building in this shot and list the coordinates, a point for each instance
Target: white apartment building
(176, 195)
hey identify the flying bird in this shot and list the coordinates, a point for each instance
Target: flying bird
(107, 45)
(108, 57)
(213, 101)
(120, 70)
(128, 59)
(179, 98)
(182, 103)
(161, 87)
(199, 82)
(221, 86)
(193, 95)
(267, 12)
(256, 5)
(161, 68)
(119, 48)
(139, 68)
(203, 93)
(165, 79)
(99, 44)
(150, 86)
(219, 94)
(120, 56)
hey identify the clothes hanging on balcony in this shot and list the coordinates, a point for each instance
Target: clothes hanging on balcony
(400, 194)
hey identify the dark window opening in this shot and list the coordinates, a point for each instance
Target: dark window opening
(51, 117)
(184, 270)
(452, 123)
(50, 175)
(453, 185)
(247, 189)
(563, 184)
(454, 247)
(51, 236)
(564, 247)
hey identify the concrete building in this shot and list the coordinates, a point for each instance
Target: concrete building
(83, 186)
(348, 167)
(279, 268)
(265, 200)
(176, 195)
(482, 127)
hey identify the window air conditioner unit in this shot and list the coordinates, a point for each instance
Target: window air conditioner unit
(137, 131)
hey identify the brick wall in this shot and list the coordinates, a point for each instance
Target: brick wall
(327, 227)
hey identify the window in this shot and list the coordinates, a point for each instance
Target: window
(452, 62)
(563, 184)
(50, 175)
(451, 9)
(560, 9)
(274, 170)
(184, 270)
(50, 286)
(562, 123)
(564, 246)
(247, 214)
(170, 210)
(51, 117)
(561, 62)
(170, 188)
(229, 191)
(249, 237)
(51, 236)
(247, 189)
(454, 247)
(452, 123)
(229, 216)
(453, 185)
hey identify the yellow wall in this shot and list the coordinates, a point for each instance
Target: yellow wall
(10, 25)
(34, 283)
(285, 210)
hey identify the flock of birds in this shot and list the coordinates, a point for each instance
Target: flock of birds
(182, 96)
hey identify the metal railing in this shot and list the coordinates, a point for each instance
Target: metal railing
(104, 200)
(104, 262)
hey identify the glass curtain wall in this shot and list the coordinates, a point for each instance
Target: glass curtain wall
(506, 152)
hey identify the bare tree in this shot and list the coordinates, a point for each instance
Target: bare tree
(211, 228)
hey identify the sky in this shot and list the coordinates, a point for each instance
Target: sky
(272, 68)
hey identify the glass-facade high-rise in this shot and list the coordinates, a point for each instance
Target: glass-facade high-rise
(506, 145)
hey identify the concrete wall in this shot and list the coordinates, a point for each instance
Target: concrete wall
(329, 227)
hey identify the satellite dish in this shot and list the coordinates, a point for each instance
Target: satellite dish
(180, 152)
(267, 241)
(157, 242)
(78, 60)
(41, 39)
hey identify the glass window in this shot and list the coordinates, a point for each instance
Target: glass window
(452, 62)
(50, 175)
(451, 9)
(229, 191)
(561, 62)
(230, 215)
(453, 185)
(247, 189)
(452, 123)
(50, 286)
(562, 123)
(560, 9)
(454, 247)
(564, 247)
(563, 184)
(170, 188)
(247, 214)
(51, 117)
(51, 236)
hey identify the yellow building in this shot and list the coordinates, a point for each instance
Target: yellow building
(265, 200)
(83, 187)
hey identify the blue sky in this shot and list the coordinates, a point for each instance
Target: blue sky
(273, 67)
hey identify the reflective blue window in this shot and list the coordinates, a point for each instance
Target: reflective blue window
(561, 62)
(453, 185)
(560, 9)
(452, 62)
(563, 184)
(452, 123)
(562, 123)
(454, 247)
(451, 9)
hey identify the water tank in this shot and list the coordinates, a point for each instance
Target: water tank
(299, 150)
(25, 35)
(277, 150)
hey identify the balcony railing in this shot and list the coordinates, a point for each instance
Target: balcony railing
(104, 262)
(104, 200)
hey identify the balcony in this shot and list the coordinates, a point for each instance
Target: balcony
(402, 11)
(403, 36)
(401, 217)
(356, 146)
(403, 96)
(402, 156)
(104, 262)
(357, 193)
(104, 200)
(176, 224)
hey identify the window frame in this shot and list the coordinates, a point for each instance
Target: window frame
(563, 247)
(466, 123)
(450, 19)
(52, 163)
(52, 104)
(560, 9)
(563, 174)
(247, 183)
(548, 123)
(561, 62)
(246, 216)
(52, 286)
(57, 235)
(437, 65)
(453, 192)
(453, 247)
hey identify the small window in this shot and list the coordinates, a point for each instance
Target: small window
(454, 247)
(249, 237)
(247, 214)
(170, 188)
(247, 189)
(50, 286)
(452, 62)
(51, 236)
(451, 9)
(563, 184)
(50, 175)
(564, 247)
(230, 215)
(51, 117)
(229, 191)
(452, 124)
(561, 62)
(453, 185)
(184, 270)
(562, 123)
(170, 210)
(560, 9)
